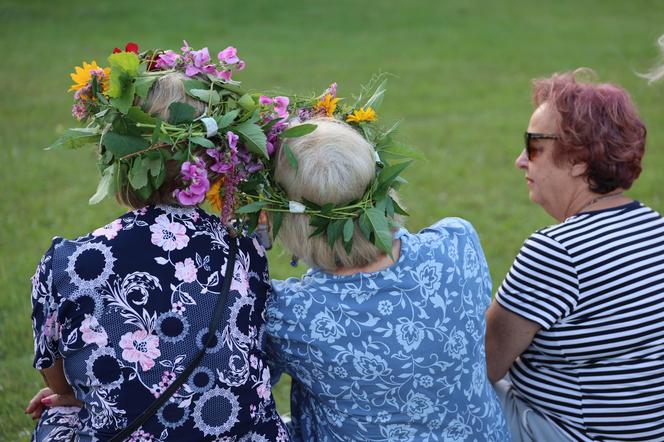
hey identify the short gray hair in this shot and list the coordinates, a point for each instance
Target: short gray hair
(657, 73)
(335, 165)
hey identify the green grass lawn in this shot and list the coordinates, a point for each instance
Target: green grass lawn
(461, 89)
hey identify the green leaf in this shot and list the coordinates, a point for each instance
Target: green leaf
(298, 131)
(290, 156)
(194, 84)
(205, 95)
(74, 138)
(142, 86)
(398, 151)
(398, 209)
(254, 138)
(181, 113)
(122, 145)
(388, 174)
(137, 115)
(334, 231)
(105, 185)
(277, 218)
(247, 102)
(252, 207)
(126, 97)
(365, 227)
(227, 119)
(156, 132)
(381, 229)
(202, 142)
(349, 229)
(124, 67)
(138, 174)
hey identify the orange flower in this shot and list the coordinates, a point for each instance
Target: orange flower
(214, 195)
(327, 105)
(360, 115)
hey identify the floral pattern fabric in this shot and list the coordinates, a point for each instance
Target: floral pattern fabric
(128, 306)
(395, 355)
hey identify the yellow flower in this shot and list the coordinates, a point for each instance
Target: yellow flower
(214, 195)
(328, 104)
(360, 115)
(83, 75)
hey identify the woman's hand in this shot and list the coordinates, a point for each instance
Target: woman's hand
(46, 398)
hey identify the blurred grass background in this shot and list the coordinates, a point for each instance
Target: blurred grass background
(461, 89)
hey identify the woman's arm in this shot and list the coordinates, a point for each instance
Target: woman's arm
(55, 378)
(507, 336)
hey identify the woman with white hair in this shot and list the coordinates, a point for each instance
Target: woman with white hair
(380, 346)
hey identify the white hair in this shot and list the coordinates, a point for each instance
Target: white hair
(657, 73)
(335, 165)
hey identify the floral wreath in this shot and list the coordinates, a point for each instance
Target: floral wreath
(237, 134)
(375, 211)
(234, 138)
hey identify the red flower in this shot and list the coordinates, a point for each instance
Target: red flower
(130, 47)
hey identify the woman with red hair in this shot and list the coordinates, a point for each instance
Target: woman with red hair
(575, 334)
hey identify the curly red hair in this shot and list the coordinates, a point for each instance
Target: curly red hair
(598, 126)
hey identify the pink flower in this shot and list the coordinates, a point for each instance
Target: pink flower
(280, 106)
(110, 231)
(226, 75)
(195, 173)
(240, 65)
(228, 55)
(52, 327)
(92, 332)
(141, 347)
(265, 101)
(263, 389)
(167, 235)
(186, 271)
(167, 60)
(199, 63)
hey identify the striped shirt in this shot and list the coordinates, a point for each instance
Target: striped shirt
(595, 284)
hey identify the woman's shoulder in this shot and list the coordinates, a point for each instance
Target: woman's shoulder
(451, 228)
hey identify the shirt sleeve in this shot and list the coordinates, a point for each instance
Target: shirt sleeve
(45, 303)
(542, 285)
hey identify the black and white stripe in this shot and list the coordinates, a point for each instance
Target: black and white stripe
(595, 284)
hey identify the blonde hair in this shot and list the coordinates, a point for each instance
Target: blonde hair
(335, 165)
(165, 91)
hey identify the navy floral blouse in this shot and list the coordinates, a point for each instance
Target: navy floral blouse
(127, 307)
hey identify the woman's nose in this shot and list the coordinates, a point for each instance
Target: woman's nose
(521, 161)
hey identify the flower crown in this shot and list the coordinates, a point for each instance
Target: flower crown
(375, 211)
(234, 137)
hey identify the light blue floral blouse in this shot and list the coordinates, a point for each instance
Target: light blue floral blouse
(395, 355)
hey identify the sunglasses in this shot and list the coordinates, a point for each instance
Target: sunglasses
(531, 152)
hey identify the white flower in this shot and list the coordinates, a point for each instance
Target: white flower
(186, 271)
(295, 207)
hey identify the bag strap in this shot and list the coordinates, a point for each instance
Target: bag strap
(177, 383)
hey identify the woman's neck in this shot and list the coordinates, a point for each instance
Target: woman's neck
(383, 262)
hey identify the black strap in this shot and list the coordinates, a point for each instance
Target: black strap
(177, 383)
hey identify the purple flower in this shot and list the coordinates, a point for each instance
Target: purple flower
(265, 101)
(219, 166)
(281, 106)
(243, 154)
(186, 47)
(253, 167)
(332, 90)
(270, 148)
(199, 63)
(167, 60)
(232, 140)
(240, 65)
(228, 55)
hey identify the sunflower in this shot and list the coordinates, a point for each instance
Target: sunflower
(328, 104)
(214, 195)
(361, 114)
(83, 75)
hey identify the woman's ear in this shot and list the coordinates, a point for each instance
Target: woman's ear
(579, 169)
